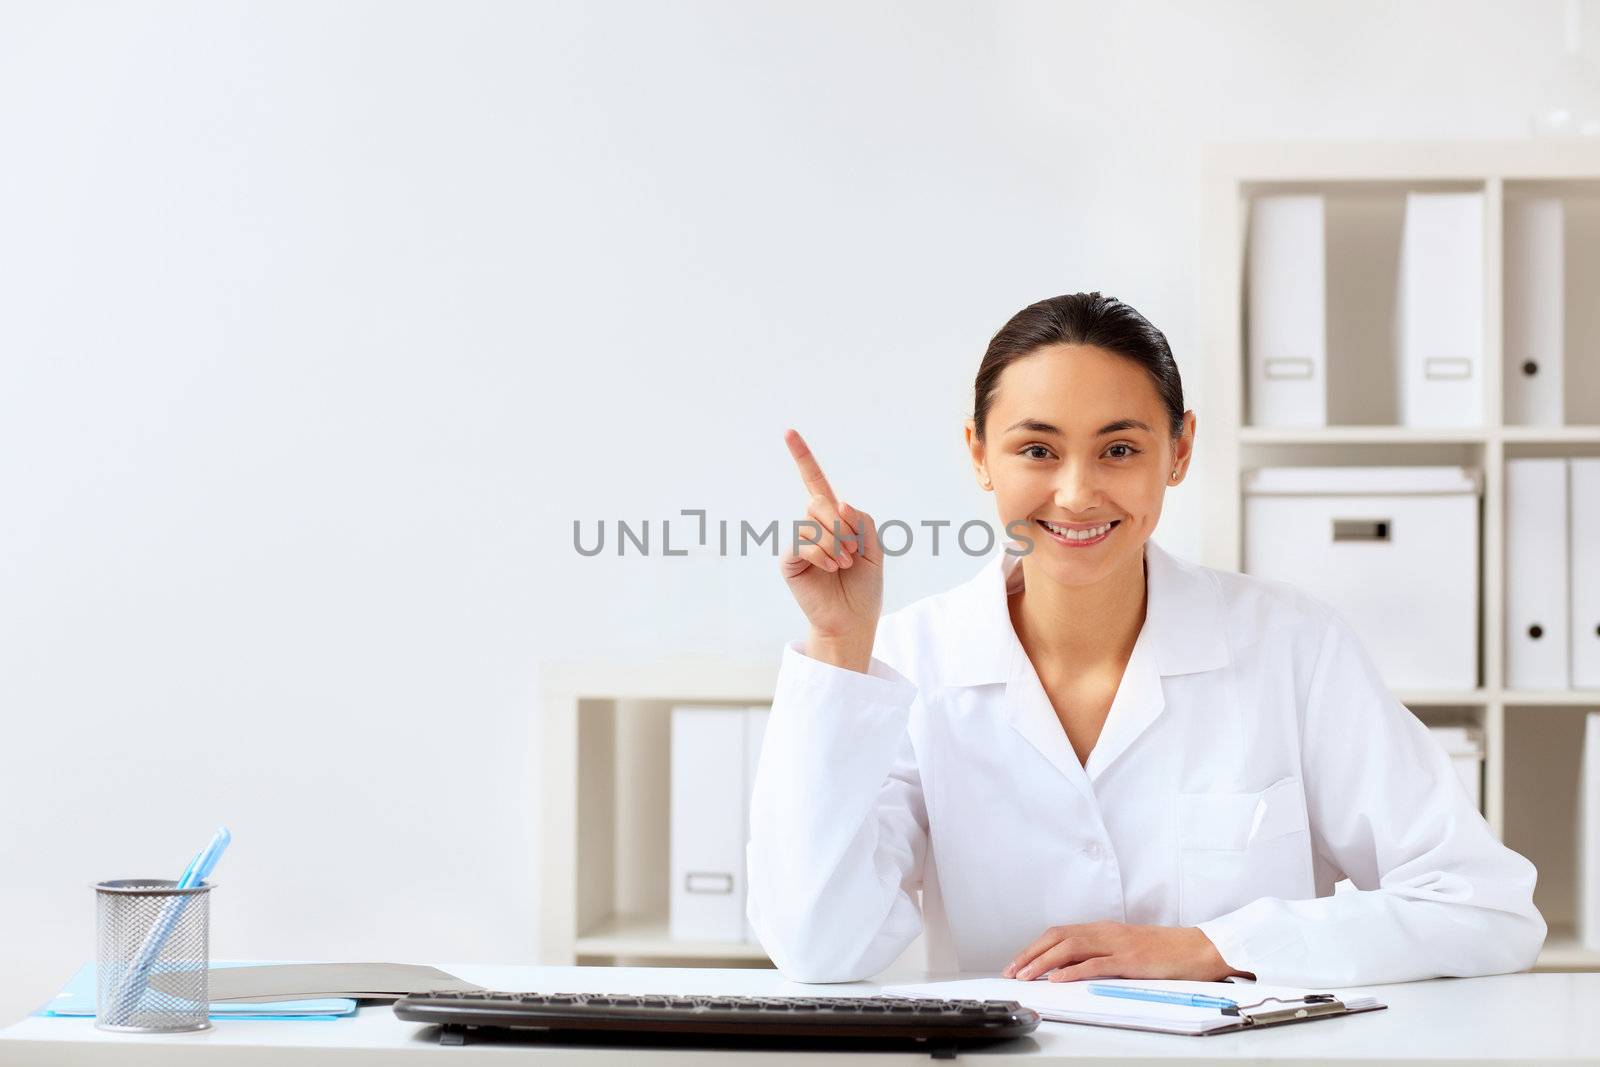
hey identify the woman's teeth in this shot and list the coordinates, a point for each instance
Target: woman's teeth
(1077, 535)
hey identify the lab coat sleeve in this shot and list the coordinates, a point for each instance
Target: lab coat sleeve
(838, 831)
(1439, 895)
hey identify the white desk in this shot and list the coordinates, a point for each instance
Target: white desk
(1509, 1019)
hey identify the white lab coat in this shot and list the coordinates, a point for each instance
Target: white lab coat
(1251, 758)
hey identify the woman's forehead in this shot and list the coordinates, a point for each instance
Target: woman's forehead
(1074, 384)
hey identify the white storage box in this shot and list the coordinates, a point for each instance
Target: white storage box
(1393, 549)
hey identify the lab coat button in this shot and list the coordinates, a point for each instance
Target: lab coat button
(1092, 850)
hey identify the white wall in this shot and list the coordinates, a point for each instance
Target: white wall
(320, 323)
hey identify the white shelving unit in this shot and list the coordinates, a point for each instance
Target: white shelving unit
(602, 745)
(1532, 739)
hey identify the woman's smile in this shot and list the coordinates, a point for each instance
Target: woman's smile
(1077, 535)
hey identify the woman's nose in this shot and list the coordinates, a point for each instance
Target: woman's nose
(1077, 491)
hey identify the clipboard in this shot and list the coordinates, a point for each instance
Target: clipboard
(1305, 1009)
(1071, 1002)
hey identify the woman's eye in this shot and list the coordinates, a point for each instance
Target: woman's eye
(1122, 451)
(1036, 452)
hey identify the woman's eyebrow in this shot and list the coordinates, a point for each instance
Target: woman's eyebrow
(1039, 426)
(1123, 424)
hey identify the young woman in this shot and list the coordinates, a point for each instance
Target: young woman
(1095, 759)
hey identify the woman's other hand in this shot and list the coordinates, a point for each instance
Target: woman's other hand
(838, 580)
(1121, 950)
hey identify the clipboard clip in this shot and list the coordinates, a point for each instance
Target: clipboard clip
(1287, 1012)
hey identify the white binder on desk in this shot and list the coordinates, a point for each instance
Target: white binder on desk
(1439, 316)
(1536, 574)
(707, 825)
(1287, 306)
(1535, 324)
(1584, 552)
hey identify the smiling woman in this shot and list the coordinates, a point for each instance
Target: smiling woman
(1095, 759)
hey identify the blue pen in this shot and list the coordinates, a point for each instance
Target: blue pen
(205, 861)
(1162, 996)
(129, 990)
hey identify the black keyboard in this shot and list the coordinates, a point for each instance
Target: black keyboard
(938, 1025)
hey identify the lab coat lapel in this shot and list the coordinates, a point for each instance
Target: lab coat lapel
(1138, 702)
(981, 649)
(1031, 714)
(1183, 633)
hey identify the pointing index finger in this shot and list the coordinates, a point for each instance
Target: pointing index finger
(810, 472)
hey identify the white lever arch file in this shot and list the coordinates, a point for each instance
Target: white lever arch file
(1584, 554)
(1536, 574)
(1535, 325)
(1288, 336)
(1440, 311)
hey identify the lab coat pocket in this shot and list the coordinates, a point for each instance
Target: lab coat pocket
(1236, 847)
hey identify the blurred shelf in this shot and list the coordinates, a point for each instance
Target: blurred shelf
(1417, 435)
(1442, 698)
(1344, 435)
(1563, 952)
(647, 936)
(1551, 435)
(1469, 698)
(1553, 698)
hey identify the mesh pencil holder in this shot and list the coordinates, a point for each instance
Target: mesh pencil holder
(153, 948)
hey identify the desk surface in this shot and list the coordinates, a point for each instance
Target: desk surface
(1507, 1019)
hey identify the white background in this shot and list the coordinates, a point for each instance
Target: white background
(321, 323)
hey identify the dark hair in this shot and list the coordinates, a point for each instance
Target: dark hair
(1081, 319)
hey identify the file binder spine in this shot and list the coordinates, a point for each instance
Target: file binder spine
(1536, 574)
(1287, 293)
(1534, 311)
(1584, 483)
(1440, 313)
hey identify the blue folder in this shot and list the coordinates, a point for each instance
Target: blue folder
(77, 1000)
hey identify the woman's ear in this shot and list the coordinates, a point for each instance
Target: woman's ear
(1182, 450)
(975, 448)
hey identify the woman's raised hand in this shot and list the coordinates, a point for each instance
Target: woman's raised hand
(838, 580)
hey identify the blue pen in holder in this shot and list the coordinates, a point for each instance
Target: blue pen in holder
(152, 956)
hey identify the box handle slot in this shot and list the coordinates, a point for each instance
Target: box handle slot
(1361, 529)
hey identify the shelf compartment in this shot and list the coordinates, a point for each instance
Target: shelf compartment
(1543, 756)
(1579, 329)
(1363, 229)
(603, 747)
